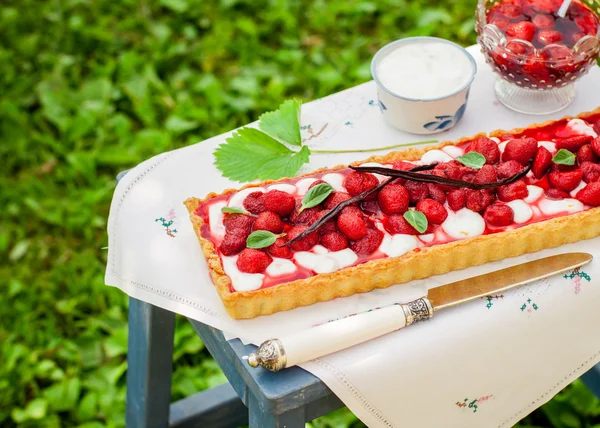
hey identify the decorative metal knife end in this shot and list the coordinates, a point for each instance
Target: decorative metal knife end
(270, 355)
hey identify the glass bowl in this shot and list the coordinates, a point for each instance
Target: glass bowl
(538, 61)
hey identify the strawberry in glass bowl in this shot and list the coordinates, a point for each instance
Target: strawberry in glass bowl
(536, 51)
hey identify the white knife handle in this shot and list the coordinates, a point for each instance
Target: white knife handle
(325, 339)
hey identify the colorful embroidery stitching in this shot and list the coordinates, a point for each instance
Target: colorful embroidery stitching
(167, 222)
(529, 307)
(473, 404)
(308, 128)
(489, 303)
(382, 106)
(576, 275)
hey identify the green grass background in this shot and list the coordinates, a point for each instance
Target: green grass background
(91, 87)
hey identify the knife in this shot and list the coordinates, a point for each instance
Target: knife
(324, 339)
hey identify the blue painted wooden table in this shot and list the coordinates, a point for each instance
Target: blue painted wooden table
(253, 396)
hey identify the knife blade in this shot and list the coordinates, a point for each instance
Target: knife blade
(315, 342)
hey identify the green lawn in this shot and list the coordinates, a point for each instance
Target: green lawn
(91, 87)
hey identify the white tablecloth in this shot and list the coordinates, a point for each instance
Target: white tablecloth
(484, 364)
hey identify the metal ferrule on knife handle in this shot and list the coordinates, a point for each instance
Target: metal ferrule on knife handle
(417, 310)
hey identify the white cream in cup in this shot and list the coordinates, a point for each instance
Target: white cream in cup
(423, 83)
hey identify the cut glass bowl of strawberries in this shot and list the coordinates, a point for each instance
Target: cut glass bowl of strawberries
(537, 53)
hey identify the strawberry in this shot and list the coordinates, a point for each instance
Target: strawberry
(486, 147)
(523, 30)
(335, 198)
(328, 226)
(519, 47)
(238, 222)
(557, 53)
(509, 10)
(499, 215)
(457, 199)
(255, 202)
(268, 221)
(535, 69)
(436, 193)
(590, 194)
(316, 183)
(334, 241)
(402, 166)
(548, 37)
(305, 243)
(508, 169)
(512, 191)
(591, 172)
(279, 249)
(542, 162)
(393, 199)
(279, 202)
(544, 6)
(358, 182)
(587, 23)
(586, 154)
(573, 144)
(417, 190)
(352, 226)
(596, 143)
(567, 180)
(556, 194)
(478, 200)
(307, 216)
(575, 37)
(352, 210)
(501, 23)
(233, 242)
(522, 150)
(487, 174)
(433, 210)
(543, 21)
(371, 207)
(369, 243)
(253, 261)
(396, 223)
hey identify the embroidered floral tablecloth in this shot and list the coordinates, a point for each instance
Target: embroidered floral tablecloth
(484, 364)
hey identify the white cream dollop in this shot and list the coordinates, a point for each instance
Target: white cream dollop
(502, 146)
(378, 165)
(522, 210)
(215, 219)
(303, 185)
(280, 267)
(578, 188)
(435, 156)
(535, 193)
(336, 181)
(453, 151)
(496, 139)
(323, 261)
(549, 145)
(463, 223)
(241, 281)
(551, 206)
(579, 127)
(287, 188)
(427, 238)
(396, 245)
(237, 199)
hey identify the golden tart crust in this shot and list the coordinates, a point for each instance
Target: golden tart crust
(416, 264)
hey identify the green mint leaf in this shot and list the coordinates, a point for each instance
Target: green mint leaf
(233, 210)
(417, 220)
(283, 123)
(564, 157)
(472, 160)
(262, 239)
(316, 195)
(284, 166)
(245, 154)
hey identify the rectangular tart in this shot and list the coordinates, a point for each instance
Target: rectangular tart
(554, 204)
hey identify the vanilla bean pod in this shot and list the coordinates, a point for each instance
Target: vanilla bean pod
(358, 198)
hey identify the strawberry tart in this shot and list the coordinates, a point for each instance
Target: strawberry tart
(408, 215)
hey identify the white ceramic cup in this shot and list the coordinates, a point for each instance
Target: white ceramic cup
(421, 115)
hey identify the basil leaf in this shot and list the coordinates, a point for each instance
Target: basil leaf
(472, 159)
(315, 196)
(233, 210)
(262, 239)
(417, 220)
(564, 157)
